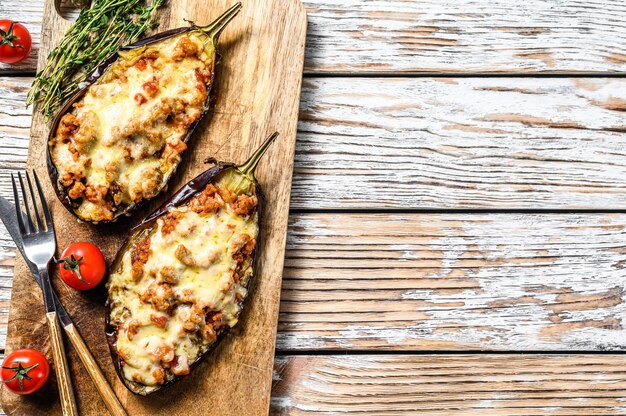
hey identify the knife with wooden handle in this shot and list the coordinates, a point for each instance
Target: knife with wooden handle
(9, 218)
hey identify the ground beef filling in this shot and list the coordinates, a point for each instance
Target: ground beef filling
(106, 160)
(199, 321)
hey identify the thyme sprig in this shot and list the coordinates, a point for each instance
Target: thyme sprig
(98, 32)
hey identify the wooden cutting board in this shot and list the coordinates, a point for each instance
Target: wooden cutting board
(257, 92)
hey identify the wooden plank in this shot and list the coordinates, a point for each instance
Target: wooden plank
(489, 143)
(454, 282)
(481, 36)
(265, 34)
(536, 36)
(442, 385)
(15, 120)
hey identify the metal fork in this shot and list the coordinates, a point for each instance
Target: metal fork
(39, 247)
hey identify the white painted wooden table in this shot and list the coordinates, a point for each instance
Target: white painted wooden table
(457, 241)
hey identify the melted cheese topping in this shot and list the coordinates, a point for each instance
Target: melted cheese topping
(122, 140)
(215, 283)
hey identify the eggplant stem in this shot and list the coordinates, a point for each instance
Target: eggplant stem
(251, 164)
(214, 29)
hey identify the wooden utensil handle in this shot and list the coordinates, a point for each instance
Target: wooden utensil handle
(68, 402)
(106, 392)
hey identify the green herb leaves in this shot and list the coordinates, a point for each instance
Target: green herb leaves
(98, 32)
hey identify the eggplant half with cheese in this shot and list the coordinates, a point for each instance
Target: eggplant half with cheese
(117, 142)
(179, 282)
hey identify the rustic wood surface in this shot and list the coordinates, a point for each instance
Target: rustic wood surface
(443, 385)
(428, 143)
(454, 282)
(449, 36)
(369, 273)
(236, 378)
(474, 36)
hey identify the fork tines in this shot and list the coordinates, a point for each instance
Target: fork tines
(27, 226)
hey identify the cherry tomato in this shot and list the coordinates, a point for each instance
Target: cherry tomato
(82, 266)
(15, 42)
(25, 371)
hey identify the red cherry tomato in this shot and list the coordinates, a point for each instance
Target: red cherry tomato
(15, 42)
(25, 371)
(82, 266)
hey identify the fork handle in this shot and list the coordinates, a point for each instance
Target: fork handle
(68, 402)
(105, 390)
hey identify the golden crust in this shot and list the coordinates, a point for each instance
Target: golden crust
(189, 293)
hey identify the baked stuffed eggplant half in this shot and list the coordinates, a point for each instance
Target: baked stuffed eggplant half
(179, 282)
(117, 142)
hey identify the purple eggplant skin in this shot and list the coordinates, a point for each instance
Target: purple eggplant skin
(214, 30)
(182, 196)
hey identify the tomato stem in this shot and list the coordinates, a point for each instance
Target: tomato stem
(72, 264)
(7, 38)
(21, 373)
